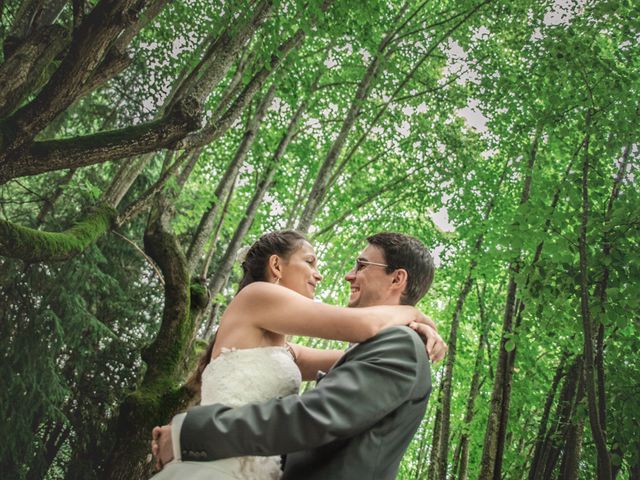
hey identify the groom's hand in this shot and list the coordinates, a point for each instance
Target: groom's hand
(435, 346)
(161, 445)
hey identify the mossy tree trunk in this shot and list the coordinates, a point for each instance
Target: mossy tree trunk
(158, 395)
(96, 55)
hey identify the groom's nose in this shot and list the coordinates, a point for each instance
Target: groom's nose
(350, 276)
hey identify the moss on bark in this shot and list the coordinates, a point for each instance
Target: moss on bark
(33, 245)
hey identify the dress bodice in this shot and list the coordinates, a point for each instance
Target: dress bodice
(234, 378)
(240, 376)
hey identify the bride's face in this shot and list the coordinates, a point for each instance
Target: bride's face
(300, 271)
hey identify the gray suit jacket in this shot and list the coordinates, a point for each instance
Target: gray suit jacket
(356, 423)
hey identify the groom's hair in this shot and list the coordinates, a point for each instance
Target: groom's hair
(409, 253)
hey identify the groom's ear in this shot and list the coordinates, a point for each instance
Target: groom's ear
(400, 279)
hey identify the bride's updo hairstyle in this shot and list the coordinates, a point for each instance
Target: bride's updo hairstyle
(254, 267)
(283, 243)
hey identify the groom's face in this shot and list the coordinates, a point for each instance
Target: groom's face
(370, 284)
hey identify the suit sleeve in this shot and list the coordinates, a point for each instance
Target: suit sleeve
(378, 376)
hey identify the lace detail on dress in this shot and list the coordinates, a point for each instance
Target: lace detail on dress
(240, 376)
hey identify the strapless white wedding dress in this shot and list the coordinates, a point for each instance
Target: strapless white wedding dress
(234, 378)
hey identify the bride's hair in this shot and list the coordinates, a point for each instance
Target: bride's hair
(283, 243)
(254, 267)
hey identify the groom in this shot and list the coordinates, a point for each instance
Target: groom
(361, 417)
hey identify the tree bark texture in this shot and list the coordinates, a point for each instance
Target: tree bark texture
(21, 72)
(91, 60)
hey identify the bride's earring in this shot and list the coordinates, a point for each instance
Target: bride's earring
(277, 282)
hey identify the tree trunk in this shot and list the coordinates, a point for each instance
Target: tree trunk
(491, 464)
(226, 263)
(544, 420)
(21, 156)
(154, 400)
(321, 183)
(222, 52)
(598, 430)
(573, 443)
(447, 379)
(443, 441)
(207, 222)
(214, 239)
(21, 72)
(91, 41)
(433, 458)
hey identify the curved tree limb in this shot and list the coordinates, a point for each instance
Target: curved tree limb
(32, 245)
(49, 155)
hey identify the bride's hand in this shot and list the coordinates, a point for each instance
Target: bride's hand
(423, 319)
(161, 445)
(435, 346)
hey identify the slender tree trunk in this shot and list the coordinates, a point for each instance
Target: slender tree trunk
(214, 239)
(447, 379)
(474, 389)
(419, 455)
(226, 263)
(435, 451)
(544, 420)
(597, 427)
(321, 183)
(207, 222)
(573, 443)
(223, 51)
(443, 441)
(499, 409)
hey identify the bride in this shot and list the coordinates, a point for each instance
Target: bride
(249, 359)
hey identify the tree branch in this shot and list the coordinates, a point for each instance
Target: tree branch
(49, 155)
(32, 245)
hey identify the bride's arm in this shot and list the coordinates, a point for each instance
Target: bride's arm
(311, 360)
(280, 310)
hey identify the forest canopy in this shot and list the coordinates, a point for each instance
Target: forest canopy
(144, 143)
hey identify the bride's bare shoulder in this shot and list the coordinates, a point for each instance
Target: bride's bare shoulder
(257, 291)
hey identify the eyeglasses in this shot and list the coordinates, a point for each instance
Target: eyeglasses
(360, 264)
